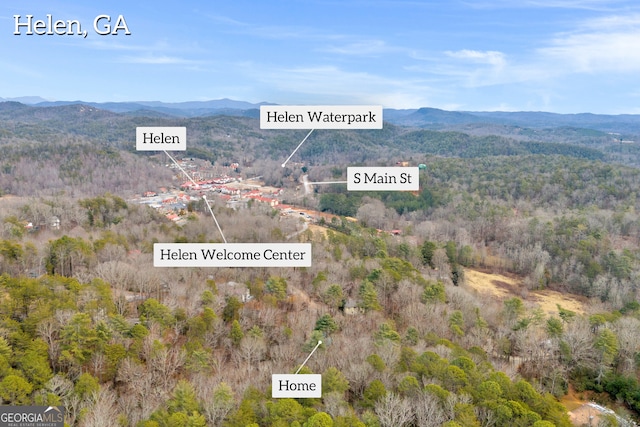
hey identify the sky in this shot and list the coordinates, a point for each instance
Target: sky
(563, 56)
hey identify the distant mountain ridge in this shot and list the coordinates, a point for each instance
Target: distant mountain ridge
(235, 134)
(426, 117)
(25, 99)
(177, 109)
(433, 118)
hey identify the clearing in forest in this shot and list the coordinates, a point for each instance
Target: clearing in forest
(504, 287)
(318, 229)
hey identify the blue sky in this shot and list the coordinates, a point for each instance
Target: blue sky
(565, 56)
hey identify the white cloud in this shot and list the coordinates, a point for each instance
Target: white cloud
(571, 4)
(333, 85)
(490, 57)
(156, 60)
(603, 46)
(360, 48)
(608, 44)
(113, 45)
(470, 68)
(594, 5)
(274, 32)
(612, 22)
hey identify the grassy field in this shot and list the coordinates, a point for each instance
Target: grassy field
(504, 287)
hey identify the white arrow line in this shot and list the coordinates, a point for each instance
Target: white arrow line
(180, 167)
(214, 217)
(309, 356)
(294, 151)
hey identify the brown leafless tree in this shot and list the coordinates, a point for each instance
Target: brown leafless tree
(394, 411)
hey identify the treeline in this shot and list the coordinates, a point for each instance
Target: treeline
(348, 204)
(550, 182)
(77, 167)
(557, 182)
(458, 144)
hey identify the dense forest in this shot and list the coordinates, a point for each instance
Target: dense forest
(64, 139)
(87, 322)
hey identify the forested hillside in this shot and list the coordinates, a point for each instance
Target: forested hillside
(63, 140)
(87, 322)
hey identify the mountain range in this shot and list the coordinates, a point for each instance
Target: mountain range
(427, 118)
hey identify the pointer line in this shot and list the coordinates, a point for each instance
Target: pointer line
(203, 197)
(328, 182)
(180, 167)
(214, 217)
(294, 151)
(308, 357)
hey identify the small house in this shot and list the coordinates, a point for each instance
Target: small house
(54, 223)
(351, 308)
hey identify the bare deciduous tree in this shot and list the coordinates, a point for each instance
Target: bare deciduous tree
(394, 411)
(428, 410)
(252, 350)
(104, 411)
(579, 342)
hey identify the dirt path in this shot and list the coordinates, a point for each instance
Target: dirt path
(305, 225)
